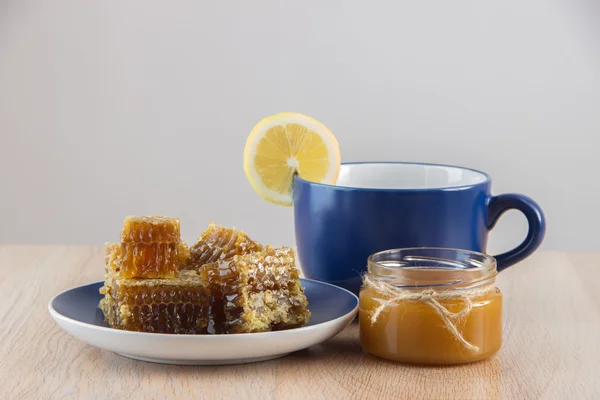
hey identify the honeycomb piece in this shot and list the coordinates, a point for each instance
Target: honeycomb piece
(149, 230)
(178, 305)
(111, 251)
(218, 243)
(260, 291)
(183, 254)
(158, 260)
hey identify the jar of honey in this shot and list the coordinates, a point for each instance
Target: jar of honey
(430, 306)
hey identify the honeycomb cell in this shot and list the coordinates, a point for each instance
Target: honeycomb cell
(158, 260)
(218, 243)
(259, 291)
(178, 305)
(150, 229)
(183, 253)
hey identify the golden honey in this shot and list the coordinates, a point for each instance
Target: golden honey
(431, 306)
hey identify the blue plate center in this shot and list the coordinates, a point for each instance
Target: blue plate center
(325, 302)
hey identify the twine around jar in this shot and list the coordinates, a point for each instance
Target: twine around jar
(431, 298)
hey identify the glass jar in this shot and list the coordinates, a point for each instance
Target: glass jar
(430, 306)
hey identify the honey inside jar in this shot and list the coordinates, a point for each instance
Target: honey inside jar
(431, 306)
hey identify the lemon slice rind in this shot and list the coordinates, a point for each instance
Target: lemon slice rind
(284, 119)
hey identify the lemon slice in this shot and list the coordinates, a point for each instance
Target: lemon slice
(285, 144)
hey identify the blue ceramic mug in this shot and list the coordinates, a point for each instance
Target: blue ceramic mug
(378, 206)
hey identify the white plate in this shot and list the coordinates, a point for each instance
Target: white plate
(76, 311)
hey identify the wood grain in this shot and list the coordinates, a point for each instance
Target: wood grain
(551, 348)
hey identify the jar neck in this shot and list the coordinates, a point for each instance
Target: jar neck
(432, 268)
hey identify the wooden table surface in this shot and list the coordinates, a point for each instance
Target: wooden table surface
(551, 348)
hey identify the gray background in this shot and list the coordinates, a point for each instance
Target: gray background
(111, 108)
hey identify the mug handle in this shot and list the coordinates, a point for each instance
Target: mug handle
(498, 205)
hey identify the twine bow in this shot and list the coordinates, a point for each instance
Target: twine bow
(432, 298)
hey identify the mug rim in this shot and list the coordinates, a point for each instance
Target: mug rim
(487, 179)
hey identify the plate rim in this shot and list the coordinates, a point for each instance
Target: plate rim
(58, 316)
